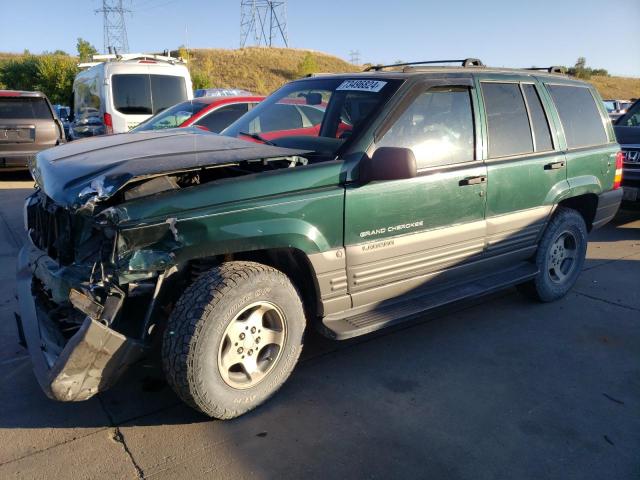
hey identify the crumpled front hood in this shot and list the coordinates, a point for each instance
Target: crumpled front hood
(95, 169)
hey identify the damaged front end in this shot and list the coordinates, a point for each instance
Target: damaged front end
(107, 253)
(72, 304)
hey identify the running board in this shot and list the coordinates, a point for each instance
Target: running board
(341, 326)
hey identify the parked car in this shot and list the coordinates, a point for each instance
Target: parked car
(616, 108)
(419, 188)
(221, 92)
(64, 114)
(627, 129)
(117, 92)
(28, 124)
(211, 113)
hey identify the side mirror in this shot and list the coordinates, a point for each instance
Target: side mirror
(389, 163)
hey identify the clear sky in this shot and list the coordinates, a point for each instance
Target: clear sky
(500, 32)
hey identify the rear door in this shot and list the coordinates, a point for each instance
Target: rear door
(401, 234)
(526, 164)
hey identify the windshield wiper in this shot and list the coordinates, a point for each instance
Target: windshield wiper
(257, 137)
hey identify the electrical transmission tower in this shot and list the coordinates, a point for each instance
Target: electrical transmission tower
(354, 56)
(263, 22)
(115, 30)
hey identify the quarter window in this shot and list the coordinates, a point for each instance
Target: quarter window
(579, 115)
(541, 132)
(437, 126)
(507, 120)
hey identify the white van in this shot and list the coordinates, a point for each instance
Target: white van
(117, 92)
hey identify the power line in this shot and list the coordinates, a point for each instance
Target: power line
(115, 29)
(263, 22)
(354, 57)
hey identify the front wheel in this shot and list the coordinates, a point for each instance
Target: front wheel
(233, 338)
(560, 256)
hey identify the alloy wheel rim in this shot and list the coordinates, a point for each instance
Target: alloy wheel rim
(251, 345)
(563, 256)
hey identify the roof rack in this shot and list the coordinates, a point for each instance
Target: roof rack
(125, 57)
(466, 62)
(551, 69)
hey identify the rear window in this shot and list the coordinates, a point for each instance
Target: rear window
(579, 115)
(507, 120)
(143, 94)
(33, 108)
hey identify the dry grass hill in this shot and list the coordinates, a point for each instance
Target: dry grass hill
(262, 70)
(259, 70)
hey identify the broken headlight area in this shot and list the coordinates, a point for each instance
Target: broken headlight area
(66, 237)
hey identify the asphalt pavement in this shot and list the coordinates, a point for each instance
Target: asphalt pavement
(496, 388)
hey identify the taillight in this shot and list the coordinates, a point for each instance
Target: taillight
(108, 123)
(617, 179)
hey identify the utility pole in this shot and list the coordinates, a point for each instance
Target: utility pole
(115, 29)
(263, 22)
(354, 57)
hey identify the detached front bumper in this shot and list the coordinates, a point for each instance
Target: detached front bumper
(89, 362)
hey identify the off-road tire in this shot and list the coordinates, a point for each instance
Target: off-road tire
(542, 287)
(197, 326)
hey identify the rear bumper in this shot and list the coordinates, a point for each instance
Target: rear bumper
(608, 205)
(15, 161)
(90, 361)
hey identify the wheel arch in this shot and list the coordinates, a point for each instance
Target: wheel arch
(585, 204)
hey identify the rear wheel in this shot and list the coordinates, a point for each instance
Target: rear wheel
(560, 256)
(233, 338)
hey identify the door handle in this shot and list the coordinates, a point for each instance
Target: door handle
(473, 180)
(554, 166)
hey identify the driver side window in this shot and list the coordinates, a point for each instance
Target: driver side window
(437, 126)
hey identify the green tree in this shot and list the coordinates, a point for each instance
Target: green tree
(55, 77)
(85, 50)
(307, 66)
(20, 73)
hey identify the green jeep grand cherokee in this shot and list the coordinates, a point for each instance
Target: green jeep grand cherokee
(351, 202)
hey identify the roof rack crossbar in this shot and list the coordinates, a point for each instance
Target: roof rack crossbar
(465, 62)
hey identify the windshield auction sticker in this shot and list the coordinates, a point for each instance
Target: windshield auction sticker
(362, 85)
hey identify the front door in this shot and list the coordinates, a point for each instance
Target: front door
(401, 234)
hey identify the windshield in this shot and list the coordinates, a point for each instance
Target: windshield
(333, 108)
(172, 117)
(611, 106)
(144, 94)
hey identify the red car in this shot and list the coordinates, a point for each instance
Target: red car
(209, 113)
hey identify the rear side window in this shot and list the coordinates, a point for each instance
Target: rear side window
(541, 132)
(579, 115)
(30, 108)
(507, 120)
(143, 94)
(220, 119)
(437, 126)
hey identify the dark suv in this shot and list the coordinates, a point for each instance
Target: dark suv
(418, 186)
(28, 125)
(627, 130)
